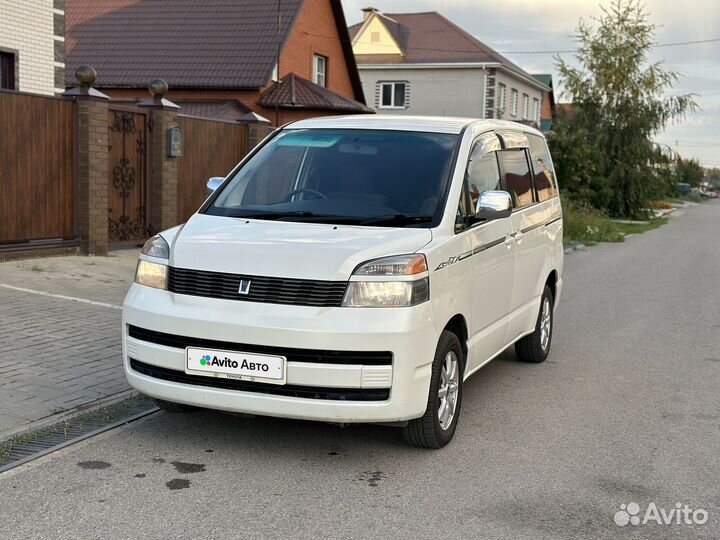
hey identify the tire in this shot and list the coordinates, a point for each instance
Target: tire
(174, 408)
(429, 431)
(535, 347)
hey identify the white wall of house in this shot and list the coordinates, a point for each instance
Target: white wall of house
(515, 83)
(449, 91)
(439, 92)
(27, 28)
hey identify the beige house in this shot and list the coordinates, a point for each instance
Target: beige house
(32, 46)
(422, 63)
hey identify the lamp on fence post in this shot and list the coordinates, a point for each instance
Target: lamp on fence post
(164, 148)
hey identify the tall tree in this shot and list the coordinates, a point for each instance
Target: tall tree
(620, 103)
(689, 171)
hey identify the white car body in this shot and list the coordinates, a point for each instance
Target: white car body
(485, 281)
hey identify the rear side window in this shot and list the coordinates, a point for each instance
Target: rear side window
(542, 168)
(518, 181)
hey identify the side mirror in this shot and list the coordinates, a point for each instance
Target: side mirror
(213, 184)
(493, 205)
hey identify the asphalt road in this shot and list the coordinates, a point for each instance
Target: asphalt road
(626, 409)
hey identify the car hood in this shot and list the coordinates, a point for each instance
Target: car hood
(286, 249)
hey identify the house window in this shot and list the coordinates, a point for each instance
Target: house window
(7, 71)
(526, 106)
(320, 70)
(502, 91)
(374, 37)
(392, 95)
(513, 102)
(536, 110)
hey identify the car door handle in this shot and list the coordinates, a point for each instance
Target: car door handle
(519, 237)
(509, 241)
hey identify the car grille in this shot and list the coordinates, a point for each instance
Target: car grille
(363, 358)
(273, 290)
(307, 392)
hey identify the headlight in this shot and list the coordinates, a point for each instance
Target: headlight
(151, 274)
(411, 285)
(156, 247)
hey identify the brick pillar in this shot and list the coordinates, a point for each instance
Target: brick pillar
(92, 162)
(164, 168)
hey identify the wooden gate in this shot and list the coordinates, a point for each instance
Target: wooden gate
(129, 173)
(37, 197)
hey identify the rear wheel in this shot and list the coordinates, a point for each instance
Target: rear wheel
(174, 408)
(437, 426)
(535, 347)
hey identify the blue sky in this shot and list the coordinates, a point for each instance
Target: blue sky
(542, 25)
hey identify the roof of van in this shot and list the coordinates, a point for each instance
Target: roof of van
(431, 124)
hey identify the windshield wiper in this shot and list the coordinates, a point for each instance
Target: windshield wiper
(302, 215)
(276, 215)
(395, 219)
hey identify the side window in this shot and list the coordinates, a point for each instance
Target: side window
(542, 168)
(518, 181)
(482, 174)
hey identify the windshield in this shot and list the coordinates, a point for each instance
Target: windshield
(363, 177)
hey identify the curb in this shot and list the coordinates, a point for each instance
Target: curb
(47, 421)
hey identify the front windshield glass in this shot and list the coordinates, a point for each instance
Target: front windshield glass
(364, 177)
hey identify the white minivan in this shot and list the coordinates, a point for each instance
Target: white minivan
(354, 269)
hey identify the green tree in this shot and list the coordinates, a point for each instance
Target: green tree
(620, 103)
(689, 171)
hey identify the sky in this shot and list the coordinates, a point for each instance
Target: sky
(513, 27)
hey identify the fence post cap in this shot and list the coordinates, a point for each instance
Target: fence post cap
(159, 89)
(86, 75)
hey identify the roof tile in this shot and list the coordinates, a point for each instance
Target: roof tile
(209, 44)
(298, 93)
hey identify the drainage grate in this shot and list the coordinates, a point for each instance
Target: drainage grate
(34, 443)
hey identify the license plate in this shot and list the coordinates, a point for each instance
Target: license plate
(235, 365)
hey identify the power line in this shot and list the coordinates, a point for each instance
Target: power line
(548, 51)
(654, 46)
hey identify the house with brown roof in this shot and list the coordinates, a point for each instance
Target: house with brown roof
(547, 111)
(220, 57)
(422, 63)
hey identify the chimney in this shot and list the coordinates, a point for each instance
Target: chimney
(367, 12)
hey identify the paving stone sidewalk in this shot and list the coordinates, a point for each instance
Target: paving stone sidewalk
(58, 354)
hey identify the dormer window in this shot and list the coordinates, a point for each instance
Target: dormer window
(320, 70)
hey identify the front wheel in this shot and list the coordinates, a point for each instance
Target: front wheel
(436, 427)
(536, 346)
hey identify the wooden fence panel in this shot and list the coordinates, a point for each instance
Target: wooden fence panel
(210, 148)
(37, 198)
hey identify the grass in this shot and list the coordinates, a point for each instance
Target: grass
(7, 446)
(690, 197)
(632, 228)
(589, 226)
(105, 413)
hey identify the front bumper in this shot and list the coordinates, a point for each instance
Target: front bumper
(408, 333)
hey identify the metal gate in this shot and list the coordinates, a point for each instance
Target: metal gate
(129, 172)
